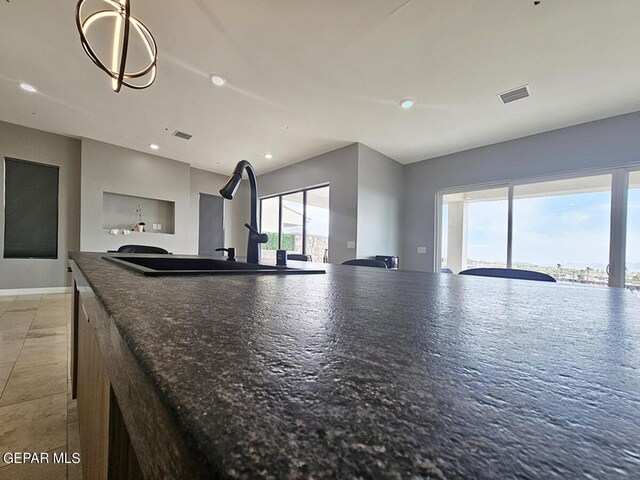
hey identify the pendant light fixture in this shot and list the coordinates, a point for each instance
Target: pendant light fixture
(125, 28)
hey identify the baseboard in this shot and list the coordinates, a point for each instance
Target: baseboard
(34, 291)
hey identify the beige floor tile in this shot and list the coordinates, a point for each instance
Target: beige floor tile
(4, 305)
(52, 308)
(48, 335)
(54, 296)
(47, 345)
(28, 298)
(13, 330)
(23, 306)
(48, 321)
(43, 471)
(13, 319)
(35, 426)
(29, 383)
(34, 333)
(22, 315)
(5, 370)
(58, 302)
(12, 335)
(9, 352)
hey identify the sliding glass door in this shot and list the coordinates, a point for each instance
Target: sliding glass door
(297, 222)
(584, 229)
(317, 225)
(292, 218)
(562, 228)
(269, 224)
(632, 271)
(474, 229)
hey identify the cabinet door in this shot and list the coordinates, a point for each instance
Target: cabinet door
(93, 403)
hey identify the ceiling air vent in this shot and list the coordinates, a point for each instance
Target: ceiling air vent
(182, 135)
(515, 94)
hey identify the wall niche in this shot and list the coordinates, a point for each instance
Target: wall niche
(120, 211)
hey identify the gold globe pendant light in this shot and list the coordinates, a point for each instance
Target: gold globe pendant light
(125, 24)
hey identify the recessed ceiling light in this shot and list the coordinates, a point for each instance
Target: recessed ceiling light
(268, 156)
(407, 103)
(28, 88)
(217, 80)
(153, 146)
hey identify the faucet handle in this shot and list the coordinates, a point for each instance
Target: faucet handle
(231, 253)
(258, 237)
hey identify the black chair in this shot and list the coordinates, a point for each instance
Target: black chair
(365, 262)
(509, 273)
(299, 257)
(141, 249)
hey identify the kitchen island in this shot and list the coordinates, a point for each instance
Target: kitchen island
(362, 373)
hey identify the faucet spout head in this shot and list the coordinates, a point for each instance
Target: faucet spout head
(231, 187)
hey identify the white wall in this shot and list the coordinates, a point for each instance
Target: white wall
(605, 143)
(236, 211)
(108, 168)
(380, 198)
(29, 144)
(339, 169)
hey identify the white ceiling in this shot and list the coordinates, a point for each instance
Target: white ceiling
(306, 77)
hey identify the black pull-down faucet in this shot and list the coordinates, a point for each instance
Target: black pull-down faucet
(229, 190)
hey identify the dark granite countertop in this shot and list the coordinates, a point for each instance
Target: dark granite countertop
(371, 373)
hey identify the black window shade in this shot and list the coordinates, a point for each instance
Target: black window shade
(30, 209)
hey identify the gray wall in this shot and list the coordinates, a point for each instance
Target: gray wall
(605, 143)
(380, 187)
(108, 168)
(236, 212)
(29, 144)
(338, 168)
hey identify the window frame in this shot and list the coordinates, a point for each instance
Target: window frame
(304, 211)
(618, 213)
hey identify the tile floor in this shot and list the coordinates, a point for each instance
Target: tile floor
(36, 410)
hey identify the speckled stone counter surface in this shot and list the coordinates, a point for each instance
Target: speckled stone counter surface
(371, 373)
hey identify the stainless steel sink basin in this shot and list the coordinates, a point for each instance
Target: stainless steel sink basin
(170, 265)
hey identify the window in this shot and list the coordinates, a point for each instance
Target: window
(560, 227)
(632, 273)
(317, 235)
(292, 221)
(297, 222)
(270, 224)
(474, 229)
(31, 210)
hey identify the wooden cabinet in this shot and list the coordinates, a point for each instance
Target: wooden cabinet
(93, 403)
(105, 448)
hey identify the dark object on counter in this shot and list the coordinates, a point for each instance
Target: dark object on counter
(365, 262)
(141, 249)
(231, 253)
(391, 261)
(281, 257)
(299, 257)
(229, 190)
(509, 273)
(162, 265)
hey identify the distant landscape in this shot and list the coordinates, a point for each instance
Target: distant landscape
(589, 275)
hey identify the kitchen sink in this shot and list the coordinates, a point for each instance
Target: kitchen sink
(170, 265)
